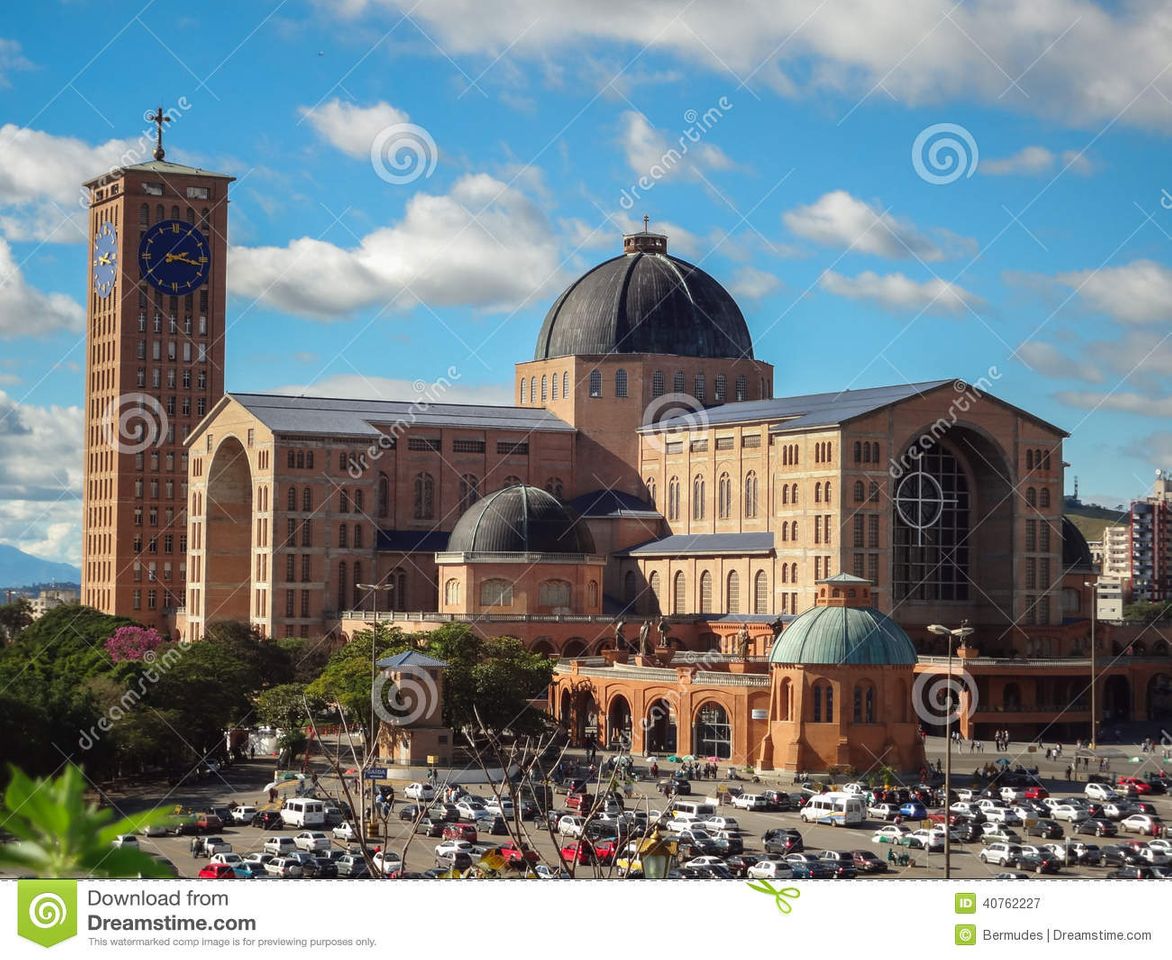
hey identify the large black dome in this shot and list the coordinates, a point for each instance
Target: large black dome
(645, 302)
(520, 519)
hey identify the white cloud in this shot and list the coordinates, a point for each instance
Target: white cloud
(484, 244)
(749, 283)
(352, 128)
(11, 60)
(362, 387)
(659, 154)
(1046, 359)
(41, 478)
(1075, 61)
(1031, 161)
(1125, 401)
(898, 292)
(1137, 293)
(837, 219)
(26, 311)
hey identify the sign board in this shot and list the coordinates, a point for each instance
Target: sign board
(375, 773)
(760, 714)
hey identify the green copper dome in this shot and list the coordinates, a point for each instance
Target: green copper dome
(848, 635)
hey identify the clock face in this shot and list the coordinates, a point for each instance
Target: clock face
(105, 259)
(173, 257)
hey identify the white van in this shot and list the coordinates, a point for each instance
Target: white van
(837, 809)
(303, 813)
(700, 808)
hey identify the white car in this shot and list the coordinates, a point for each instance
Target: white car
(1139, 823)
(770, 870)
(312, 841)
(472, 810)
(966, 794)
(256, 861)
(892, 833)
(242, 813)
(345, 831)
(214, 845)
(1002, 815)
(964, 808)
(926, 839)
(855, 789)
(279, 846)
(1068, 812)
(1011, 794)
(571, 826)
(1100, 792)
(231, 859)
(1161, 844)
(450, 847)
(996, 833)
(1117, 810)
(750, 801)
(500, 808)
(387, 861)
(696, 834)
(1157, 858)
(722, 823)
(419, 791)
(985, 804)
(125, 840)
(705, 862)
(1002, 854)
(283, 867)
(883, 811)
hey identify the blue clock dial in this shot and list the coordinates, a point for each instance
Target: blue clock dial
(105, 259)
(174, 257)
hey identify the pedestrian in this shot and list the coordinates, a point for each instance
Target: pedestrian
(390, 799)
(1069, 772)
(194, 847)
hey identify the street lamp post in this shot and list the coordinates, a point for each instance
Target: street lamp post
(374, 588)
(1094, 653)
(960, 633)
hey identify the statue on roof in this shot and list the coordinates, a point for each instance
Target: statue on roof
(743, 642)
(644, 634)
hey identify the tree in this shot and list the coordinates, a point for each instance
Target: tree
(346, 679)
(284, 706)
(60, 835)
(14, 617)
(133, 643)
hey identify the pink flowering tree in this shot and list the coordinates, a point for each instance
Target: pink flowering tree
(133, 643)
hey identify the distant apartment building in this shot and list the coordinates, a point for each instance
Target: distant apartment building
(1109, 600)
(51, 598)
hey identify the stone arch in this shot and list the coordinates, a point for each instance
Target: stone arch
(1160, 697)
(544, 646)
(659, 724)
(1011, 697)
(1117, 697)
(785, 700)
(619, 722)
(574, 647)
(227, 575)
(712, 732)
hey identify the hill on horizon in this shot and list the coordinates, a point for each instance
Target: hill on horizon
(20, 569)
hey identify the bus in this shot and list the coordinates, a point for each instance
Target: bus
(834, 809)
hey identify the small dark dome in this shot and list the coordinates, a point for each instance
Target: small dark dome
(1076, 552)
(645, 302)
(520, 519)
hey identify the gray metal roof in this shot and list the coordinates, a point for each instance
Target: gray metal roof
(165, 168)
(815, 410)
(645, 303)
(520, 519)
(704, 545)
(358, 418)
(410, 658)
(612, 504)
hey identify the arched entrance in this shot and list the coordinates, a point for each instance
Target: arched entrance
(1160, 697)
(575, 647)
(585, 717)
(661, 728)
(618, 723)
(227, 590)
(566, 710)
(1117, 698)
(711, 732)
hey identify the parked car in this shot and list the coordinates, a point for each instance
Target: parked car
(268, 820)
(472, 810)
(283, 867)
(1068, 812)
(217, 871)
(278, 846)
(891, 834)
(1097, 827)
(311, 841)
(419, 791)
(1046, 829)
(1101, 792)
(459, 831)
(771, 868)
(126, 840)
(782, 840)
(1002, 854)
(214, 845)
(345, 831)
(208, 822)
(387, 862)
(1141, 823)
(740, 863)
(1134, 783)
(926, 840)
(352, 865)
(722, 823)
(866, 862)
(1035, 792)
(570, 825)
(243, 813)
(1134, 872)
(750, 801)
(841, 862)
(883, 811)
(913, 811)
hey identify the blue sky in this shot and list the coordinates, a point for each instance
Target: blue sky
(1046, 260)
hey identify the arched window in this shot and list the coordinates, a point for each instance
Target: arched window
(524, 390)
(679, 593)
(452, 592)
(144, 213)
(742, 389)
(793, 493)
(553, 388)
(860, 491)
(785, 704)
(760, 592)
(657, 383)
(1046, 460)
(565, 385)
(554, 485)
(343, 501)
(292, 498)
(699, 388)
(873, 492)
(596, 383)
(358, 597)
(732, 593)
(544, 387)
(705, 592)
(554, 594)
(424, 496)
(817, 493)
(677, 381)
(357, 537)
(620, 383)
(720, 387)
(1031, 496)
(650, 486)
(673, 498)
(1029, 459)
(533, 388)
(723, 496)
(592, 595)
(785, 573)
(343, 535)
(712, 732)
(793, 530)
(698, 497)
(307, 499)
(858, 451)
(653, 589)
(793, 573)
(342, 586)
(358, 501)
(496, 593)
(785, 494)
(864, 703)
(469, 491)
(1044, 497)
(751, 495)
(511, 481)
(823, 702)
(384, 495)
(875, 452)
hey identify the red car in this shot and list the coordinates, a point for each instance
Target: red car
(516, 856)
(1135, 783)
(217, 871)
(1036, 793)
(602, 851)
(581, 802)
(460, 831)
